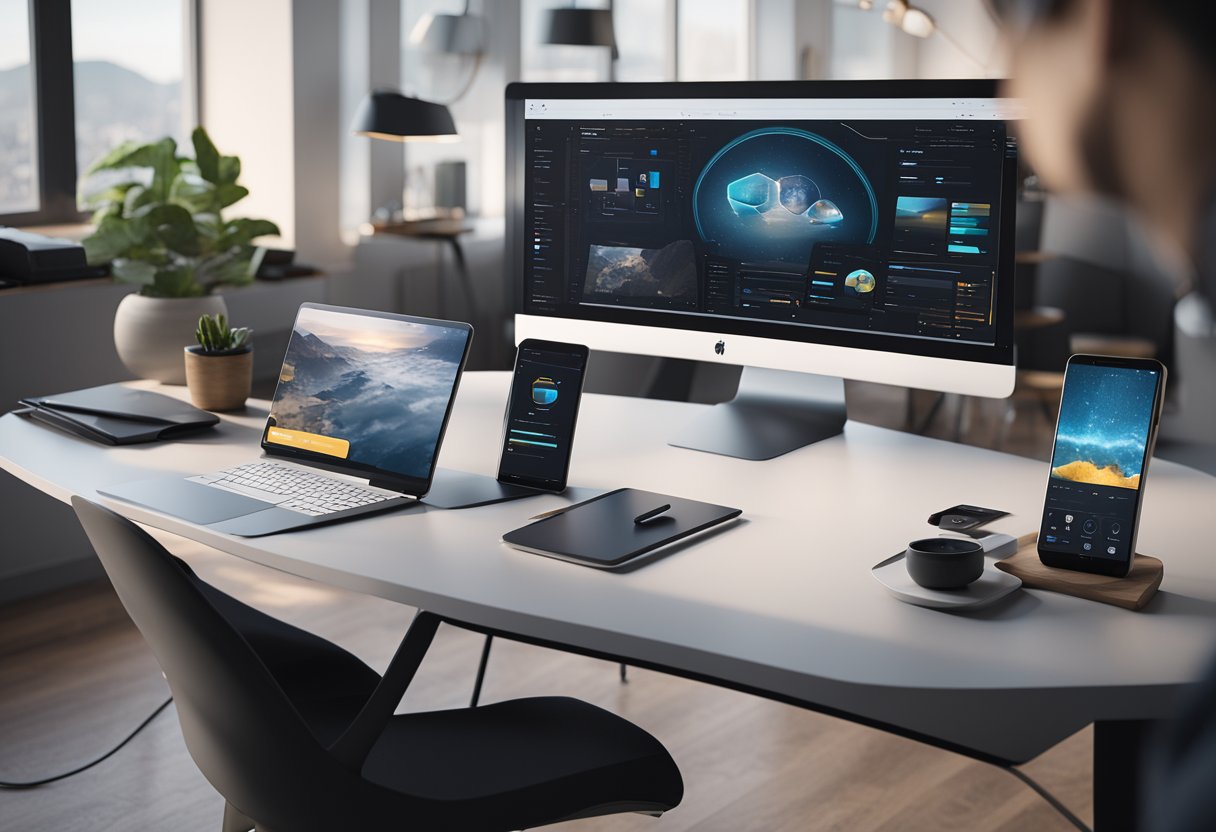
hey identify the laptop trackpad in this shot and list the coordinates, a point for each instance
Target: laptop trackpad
(269, 521)
(188, 500)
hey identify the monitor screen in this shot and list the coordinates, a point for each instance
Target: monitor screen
(869, 215)
(366, 391)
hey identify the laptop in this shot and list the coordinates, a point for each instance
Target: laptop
(355, 427)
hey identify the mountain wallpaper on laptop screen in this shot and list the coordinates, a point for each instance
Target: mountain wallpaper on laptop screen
(381, 384)
(1104, 422)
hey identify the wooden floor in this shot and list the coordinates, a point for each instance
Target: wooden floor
(75, 677)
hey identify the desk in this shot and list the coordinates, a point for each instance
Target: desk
(782, 604)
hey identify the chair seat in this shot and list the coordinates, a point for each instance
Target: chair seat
(525, 762)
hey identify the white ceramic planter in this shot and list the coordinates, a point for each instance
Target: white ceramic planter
(151, 333)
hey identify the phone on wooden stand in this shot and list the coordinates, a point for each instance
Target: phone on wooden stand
(1110, 408)
(538, 436)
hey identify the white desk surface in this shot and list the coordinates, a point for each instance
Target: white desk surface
(782, 603)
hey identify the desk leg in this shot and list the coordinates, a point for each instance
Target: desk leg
(462, 270)
(481, 671)
(1117, 773)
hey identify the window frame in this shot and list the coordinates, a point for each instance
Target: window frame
(671, 12)
(52, 73)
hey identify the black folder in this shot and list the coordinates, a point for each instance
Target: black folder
(114, 414)
(604, 531)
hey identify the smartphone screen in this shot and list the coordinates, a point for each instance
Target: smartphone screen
(1108, 413)
(541, 414)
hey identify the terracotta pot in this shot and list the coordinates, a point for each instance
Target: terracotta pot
(219, 382)
(149, 333)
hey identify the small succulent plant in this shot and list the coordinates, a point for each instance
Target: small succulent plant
(215, 336)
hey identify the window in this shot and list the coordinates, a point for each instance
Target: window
(644, 36)
(863, 45)
(714, 40)
(542, 61)
(658, 40)
(18, 170)
(127, 71)
(78, 77)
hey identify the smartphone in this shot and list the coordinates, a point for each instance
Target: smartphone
(1109, 411)
(539, 431)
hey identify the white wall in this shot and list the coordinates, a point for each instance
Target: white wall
(479, 115)
(373, 172)
(245, 100)
(966, 45)
(792, 39)
(270, 93)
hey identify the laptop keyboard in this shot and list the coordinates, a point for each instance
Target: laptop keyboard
(294, 488)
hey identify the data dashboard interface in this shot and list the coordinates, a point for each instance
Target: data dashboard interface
(864, 216)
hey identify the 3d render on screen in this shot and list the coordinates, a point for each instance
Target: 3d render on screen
(833, 219)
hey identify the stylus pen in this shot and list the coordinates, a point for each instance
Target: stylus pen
(653, 513)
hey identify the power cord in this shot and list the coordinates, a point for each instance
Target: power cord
(33, 784)
(1051, 799)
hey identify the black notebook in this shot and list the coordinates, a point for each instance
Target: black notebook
(604, 531)
(117, 415)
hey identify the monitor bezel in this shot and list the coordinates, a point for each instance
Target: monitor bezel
(1001, 352)
(379, 477)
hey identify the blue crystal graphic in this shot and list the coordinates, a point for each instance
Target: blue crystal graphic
(797, 192)
(752, 195)
(824, 211)
(757, 194)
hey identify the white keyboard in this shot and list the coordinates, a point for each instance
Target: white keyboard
(294, 488)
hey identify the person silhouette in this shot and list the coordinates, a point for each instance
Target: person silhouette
(1120, 100)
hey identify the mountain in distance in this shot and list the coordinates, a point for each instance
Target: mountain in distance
(448, 346)
(311, 360)
(113, 104)
(105, 93)
(388, 404)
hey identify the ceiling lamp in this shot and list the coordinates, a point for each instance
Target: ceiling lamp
(385, 114)
(572, 26)
(452, 34)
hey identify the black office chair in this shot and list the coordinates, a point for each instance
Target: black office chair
(298, 734)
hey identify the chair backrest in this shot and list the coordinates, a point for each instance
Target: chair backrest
(241, 729)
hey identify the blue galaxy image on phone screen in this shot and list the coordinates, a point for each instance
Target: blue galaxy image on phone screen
(1105, 417)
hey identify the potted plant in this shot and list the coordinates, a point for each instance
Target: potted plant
(158, 220)
(219, 368)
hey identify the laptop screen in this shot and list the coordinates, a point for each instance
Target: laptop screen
(367, 390)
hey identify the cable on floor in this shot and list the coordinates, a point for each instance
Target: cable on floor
(1041, 791)
(1051, 799)
(33, 784)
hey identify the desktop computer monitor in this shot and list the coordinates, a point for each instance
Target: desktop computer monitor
(808, 231)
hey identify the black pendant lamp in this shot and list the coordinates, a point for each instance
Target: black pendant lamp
(571, 26)
(384, 114)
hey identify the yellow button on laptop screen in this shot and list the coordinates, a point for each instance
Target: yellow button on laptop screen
(305, 441)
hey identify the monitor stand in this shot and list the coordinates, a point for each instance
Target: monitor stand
(460, 489)
(773, 412)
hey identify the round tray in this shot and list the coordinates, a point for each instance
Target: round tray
(991, 586)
